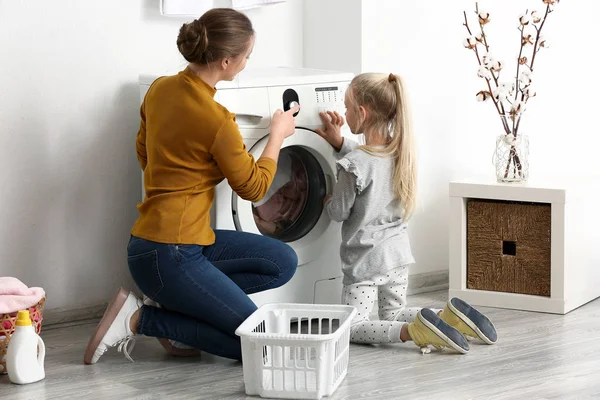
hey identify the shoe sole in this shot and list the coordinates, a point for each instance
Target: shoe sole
(474, 319)
(426, 316)
(108, 318)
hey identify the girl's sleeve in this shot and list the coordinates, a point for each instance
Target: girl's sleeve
(348, 146)
(339, 206)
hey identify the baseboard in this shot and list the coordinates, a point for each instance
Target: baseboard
(55, 317)
(73, 316)
(417, 283)
(427, 282)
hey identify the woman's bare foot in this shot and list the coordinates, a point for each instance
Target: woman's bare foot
(172, 347)
(176, 351)
(135, 321)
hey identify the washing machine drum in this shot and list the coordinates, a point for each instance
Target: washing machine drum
(294, 202)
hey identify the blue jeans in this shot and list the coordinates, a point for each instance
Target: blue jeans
(203, 289)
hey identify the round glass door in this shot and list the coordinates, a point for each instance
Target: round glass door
(294, 202)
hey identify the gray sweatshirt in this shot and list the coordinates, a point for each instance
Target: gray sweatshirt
(374, 236)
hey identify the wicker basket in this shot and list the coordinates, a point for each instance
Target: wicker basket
(7, 327)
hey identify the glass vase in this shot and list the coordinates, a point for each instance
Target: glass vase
(511, 158)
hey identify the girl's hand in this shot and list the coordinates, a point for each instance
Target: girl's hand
(332, 131)
(329, 196)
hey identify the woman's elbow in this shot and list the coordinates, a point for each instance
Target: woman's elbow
(252, 197)
(252, 193)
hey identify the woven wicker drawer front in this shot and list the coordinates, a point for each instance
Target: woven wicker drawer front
(508, 247)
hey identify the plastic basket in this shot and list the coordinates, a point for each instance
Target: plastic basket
(7, 328)
(295, 351)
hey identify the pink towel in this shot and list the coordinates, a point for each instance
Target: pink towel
(15, 295)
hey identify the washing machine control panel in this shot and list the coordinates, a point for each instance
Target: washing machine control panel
(312, 98)
(330, 98)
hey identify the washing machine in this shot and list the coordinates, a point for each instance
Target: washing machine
(292, 211)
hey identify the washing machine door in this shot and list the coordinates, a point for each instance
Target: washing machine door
(292, 210)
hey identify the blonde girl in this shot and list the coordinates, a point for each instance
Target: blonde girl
(374, 197)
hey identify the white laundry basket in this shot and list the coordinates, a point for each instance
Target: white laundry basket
(296, 351)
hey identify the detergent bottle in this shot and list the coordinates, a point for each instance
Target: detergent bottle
(25, 353)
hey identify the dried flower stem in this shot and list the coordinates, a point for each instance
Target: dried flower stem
(487, 47)
(514, 157)
(536, 49)
(500, 111)
(517, 82)
(537, 39)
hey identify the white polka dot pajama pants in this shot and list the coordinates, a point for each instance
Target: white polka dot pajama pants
(389, 290)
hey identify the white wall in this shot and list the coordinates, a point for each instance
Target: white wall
(422, 41)
(332, 35)
(69, 177)
(279, 40)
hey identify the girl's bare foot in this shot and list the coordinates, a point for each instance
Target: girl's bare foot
(404, 335)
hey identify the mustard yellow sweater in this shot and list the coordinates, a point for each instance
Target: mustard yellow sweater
(186, 145)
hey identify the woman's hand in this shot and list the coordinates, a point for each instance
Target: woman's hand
(332, 131)
(283, 124)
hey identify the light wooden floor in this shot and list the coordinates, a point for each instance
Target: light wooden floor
(539, 356)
